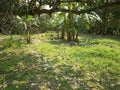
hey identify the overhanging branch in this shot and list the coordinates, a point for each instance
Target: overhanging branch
(106, 5)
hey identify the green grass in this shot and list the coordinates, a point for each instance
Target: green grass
(91, 64)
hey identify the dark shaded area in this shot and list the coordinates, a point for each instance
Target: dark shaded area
(29, 72)
(85, 40)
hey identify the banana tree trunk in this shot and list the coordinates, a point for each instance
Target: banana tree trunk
(62, 34)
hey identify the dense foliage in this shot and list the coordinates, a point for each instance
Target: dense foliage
(69, 17)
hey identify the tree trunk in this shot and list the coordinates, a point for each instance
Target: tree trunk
(77, 34)
(62, 34)
(69, 36)
(28, 40)
(73, 37)
(27, 35)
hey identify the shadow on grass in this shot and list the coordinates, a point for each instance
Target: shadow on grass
(25, 71)
(81, 42)
(22, 71)
(86, 40)
(112, 37)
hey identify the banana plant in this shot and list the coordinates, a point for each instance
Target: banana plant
(25, 24)
(87, 21)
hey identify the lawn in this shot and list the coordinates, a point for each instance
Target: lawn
(93, 63)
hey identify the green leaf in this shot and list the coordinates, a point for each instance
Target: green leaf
(87, 26)
(29, 17)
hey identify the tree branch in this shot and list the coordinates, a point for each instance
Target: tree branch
(105, 5)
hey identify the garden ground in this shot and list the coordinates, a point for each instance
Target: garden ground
(93, 63)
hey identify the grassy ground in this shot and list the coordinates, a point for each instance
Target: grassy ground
(91, 64)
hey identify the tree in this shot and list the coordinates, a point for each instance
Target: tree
(24, 8)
